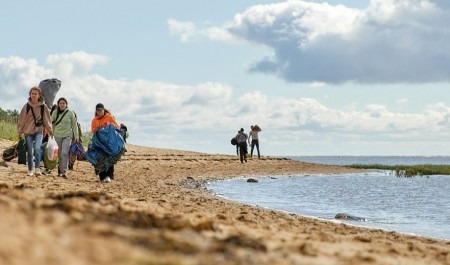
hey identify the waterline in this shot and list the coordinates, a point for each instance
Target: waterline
(418, 205)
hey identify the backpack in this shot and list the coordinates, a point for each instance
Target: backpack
(22, 151)
(10, 153)
(80, 132)
(77, 149)
(233, 141)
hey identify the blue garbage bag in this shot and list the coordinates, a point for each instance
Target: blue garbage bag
(105, 149)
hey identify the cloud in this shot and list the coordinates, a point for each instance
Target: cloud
(76, 63)
(194, 117)
(391, 41)
(188, 32)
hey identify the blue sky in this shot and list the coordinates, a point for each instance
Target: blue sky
(319, 77)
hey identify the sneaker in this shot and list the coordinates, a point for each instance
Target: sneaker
(64, 175)
(106, 180)
(30, 172)
(47, 172)
(38, 172)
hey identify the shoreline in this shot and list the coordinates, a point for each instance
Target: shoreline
(156, 212)
(226, 191)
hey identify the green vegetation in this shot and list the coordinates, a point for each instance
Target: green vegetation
(409, 171)
(8, 129)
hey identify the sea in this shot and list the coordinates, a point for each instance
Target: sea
(417, 205)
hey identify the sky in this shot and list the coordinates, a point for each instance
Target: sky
(353, 77)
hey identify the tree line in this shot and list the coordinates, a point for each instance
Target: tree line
(9, 115)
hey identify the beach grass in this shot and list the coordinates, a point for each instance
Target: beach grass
(8, 131)
(408, 170)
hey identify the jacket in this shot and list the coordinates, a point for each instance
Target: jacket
(102, 122)
(26, 120)
(65, 125)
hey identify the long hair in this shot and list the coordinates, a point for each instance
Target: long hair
(62, 99)
(38, 89)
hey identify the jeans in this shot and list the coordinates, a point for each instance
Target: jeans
(242, 151)
(255, 143)
(34, 143)
(108, 173)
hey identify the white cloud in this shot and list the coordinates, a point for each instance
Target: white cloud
(75, 64)
(392, 41)
(188, 32)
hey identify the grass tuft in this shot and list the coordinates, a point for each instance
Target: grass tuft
(409, 171)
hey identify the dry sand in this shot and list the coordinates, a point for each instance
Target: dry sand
(157, 212)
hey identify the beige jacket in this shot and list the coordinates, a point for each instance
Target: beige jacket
(26, 124)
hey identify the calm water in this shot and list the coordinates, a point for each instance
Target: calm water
(419, 205)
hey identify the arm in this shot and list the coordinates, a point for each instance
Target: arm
(47, 121)
(21, 121)
(94, 125)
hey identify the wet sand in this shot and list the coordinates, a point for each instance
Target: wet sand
(157, 211)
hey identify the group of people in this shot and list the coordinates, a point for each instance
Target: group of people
(252, 138)
(36, 121)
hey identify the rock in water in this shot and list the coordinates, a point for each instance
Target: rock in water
(344, 216)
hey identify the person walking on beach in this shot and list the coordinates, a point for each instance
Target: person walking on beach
(241, 139)
(253, 139)
(33, 118)
(64, 128)
(102, 119)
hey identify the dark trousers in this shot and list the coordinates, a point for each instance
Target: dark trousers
(243, 151)
(108, 173)
(255, 142)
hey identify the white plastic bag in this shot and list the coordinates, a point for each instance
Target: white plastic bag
(52, 149)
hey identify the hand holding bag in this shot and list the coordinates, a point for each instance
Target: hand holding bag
(52, 149)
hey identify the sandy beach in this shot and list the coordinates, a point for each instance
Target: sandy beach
(156, 211)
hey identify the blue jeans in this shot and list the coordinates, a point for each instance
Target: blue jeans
(34, 143)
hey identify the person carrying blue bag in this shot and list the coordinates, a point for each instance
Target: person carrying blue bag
(107, 144)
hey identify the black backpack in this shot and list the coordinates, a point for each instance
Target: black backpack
(233, 141)
(10, 153)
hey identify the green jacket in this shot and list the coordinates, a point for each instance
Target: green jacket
(64, 124)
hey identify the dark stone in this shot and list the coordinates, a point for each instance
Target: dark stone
(252, 180)
(344, 216)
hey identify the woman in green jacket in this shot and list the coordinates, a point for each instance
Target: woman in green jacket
(65, 129)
